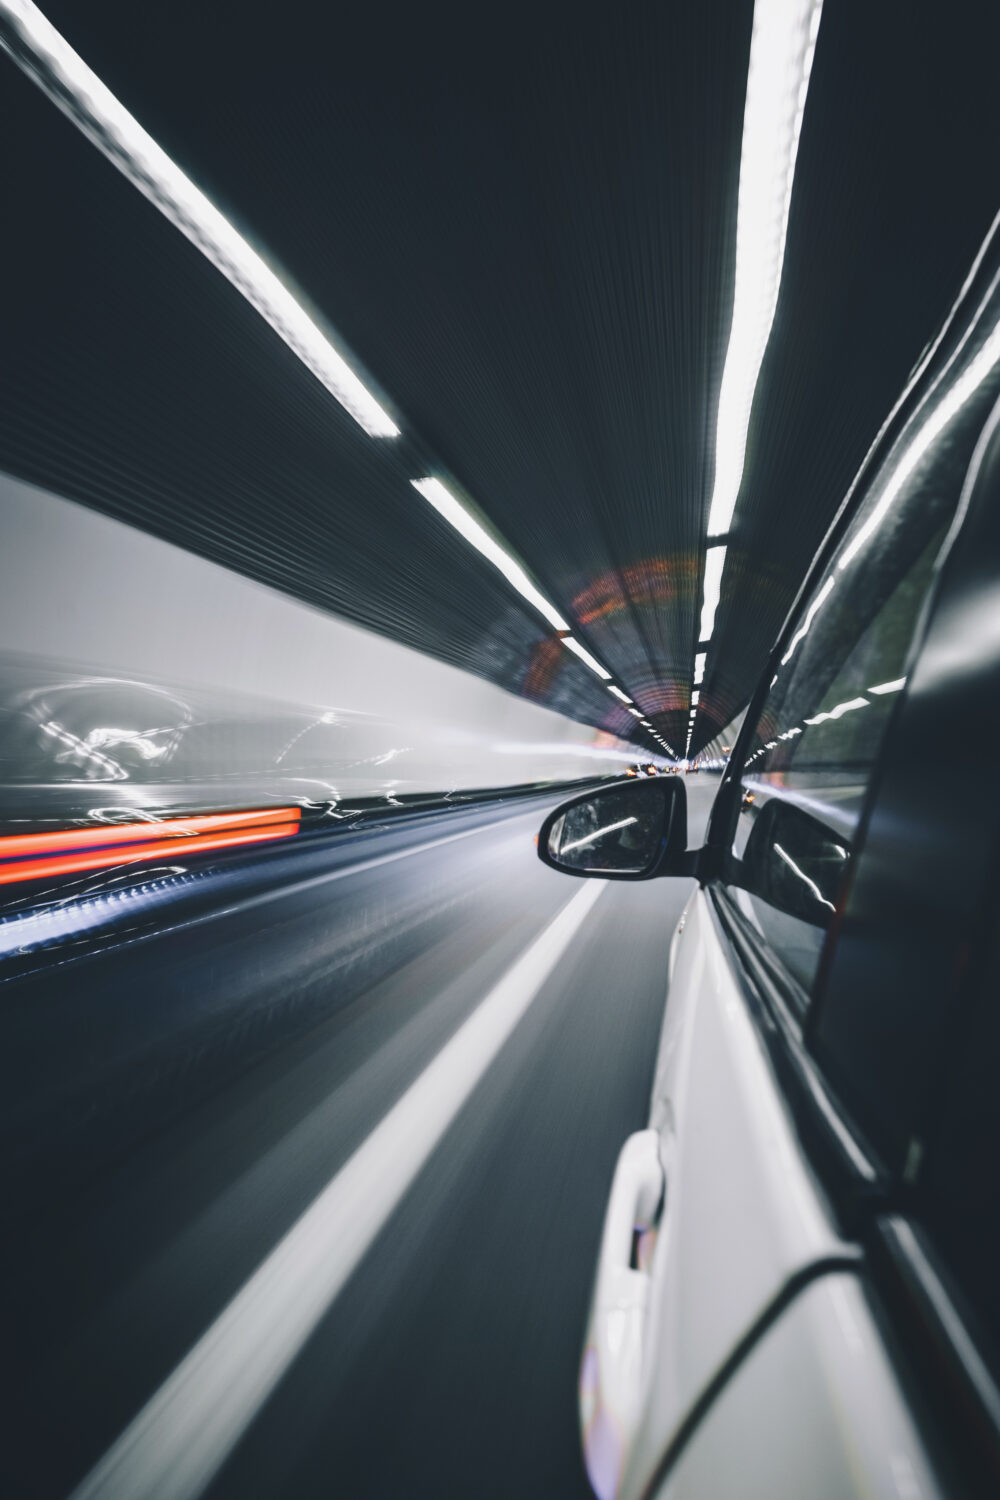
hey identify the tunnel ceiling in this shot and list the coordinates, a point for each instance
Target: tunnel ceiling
(522, 225)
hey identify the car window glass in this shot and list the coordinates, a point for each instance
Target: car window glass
(815, 744)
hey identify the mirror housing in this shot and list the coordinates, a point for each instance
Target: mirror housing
(631, 830)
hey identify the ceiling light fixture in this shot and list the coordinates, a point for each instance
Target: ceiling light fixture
(849, 707)
(585, 656)
(781, 54)
(949, 407)
(715, 559)
(455, 513)
(803, 629)
(39, 50)
(619, 694)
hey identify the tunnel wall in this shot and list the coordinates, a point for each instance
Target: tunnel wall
(108, 631)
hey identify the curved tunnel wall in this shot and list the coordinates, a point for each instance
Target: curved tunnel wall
(130, 663)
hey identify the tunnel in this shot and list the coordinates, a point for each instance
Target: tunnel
(458, 464)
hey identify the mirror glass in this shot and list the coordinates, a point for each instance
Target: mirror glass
(619, 831)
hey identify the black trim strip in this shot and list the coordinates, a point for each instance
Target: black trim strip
(923, 1314)
(849, 1170)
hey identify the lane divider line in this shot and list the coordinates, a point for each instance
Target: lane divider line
(177, 1443)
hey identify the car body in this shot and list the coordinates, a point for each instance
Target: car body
(797, 1289)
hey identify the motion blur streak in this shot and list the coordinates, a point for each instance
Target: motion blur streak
(98, 859)
(43, 54)
(271, 700)
(179, 1441)
(467, 526)
(32, 929)
(781, 57)
(102, 835)
(104, 846)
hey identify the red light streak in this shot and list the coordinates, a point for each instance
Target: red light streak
(100, 847)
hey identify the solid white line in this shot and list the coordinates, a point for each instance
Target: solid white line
(176, 1445)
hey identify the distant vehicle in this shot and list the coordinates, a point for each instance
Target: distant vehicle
(796, 1293)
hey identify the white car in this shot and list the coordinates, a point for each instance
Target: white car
(798, 1292)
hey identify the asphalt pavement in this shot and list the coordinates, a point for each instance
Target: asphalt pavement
(188, 1110)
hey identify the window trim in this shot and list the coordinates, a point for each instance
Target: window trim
(848, 1168)
(930, 371)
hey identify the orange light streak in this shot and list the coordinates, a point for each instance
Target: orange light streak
(99, 835)
(62, 854)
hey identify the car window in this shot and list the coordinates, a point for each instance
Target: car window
(843, 666)
(817, 739)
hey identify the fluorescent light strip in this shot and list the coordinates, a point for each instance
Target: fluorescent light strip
(50, 62)
(803, 629)
(715, 559)
(598, 833)
(585, 656)
(889, 687)
(455, 513)
(835, 713)
(781, 55)
(789, 861)
(44, 55)
(963, 389)
(949, 407)
(619, 694)
(699, 668)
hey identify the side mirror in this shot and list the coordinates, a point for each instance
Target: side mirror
(794, 862)
(623, 832)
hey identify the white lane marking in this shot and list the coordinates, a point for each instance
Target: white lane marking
(176, 1445)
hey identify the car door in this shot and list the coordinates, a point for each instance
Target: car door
(738, 1239)
(886, 1381)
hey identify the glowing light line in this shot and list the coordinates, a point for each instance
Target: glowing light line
(39, 50)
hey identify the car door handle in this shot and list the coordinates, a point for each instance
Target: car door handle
(611, 1370)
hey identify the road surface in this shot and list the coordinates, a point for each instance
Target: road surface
(378, 1098)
